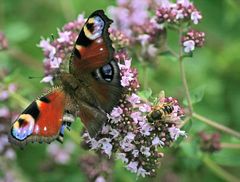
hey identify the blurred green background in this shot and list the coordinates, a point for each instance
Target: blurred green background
(214, 70)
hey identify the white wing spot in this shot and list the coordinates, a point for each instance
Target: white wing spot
(45, 128)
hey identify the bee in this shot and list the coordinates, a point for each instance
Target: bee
(160, 112)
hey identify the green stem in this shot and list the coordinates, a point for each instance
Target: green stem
(218, 170)
(24, 58)
(185, 121)
(20, 100)
(230, 145)
(145, 74)
(216, 125)
(185, 85)
(183, 76)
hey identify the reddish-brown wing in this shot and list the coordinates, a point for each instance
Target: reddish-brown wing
(93, 47)
(41, 121)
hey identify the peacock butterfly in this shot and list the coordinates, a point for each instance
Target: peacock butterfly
(89, 89)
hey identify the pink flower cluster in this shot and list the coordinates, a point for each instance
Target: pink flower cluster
(96, 167)
(192, 39)
(6, 116)
(210, 142)
(61, 154)
(131, 134)
(133, 20)
(60, 49)
(176, 13)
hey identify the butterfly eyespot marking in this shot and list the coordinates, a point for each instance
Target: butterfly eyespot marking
(107, 72)
(94, 28)
(23, 127)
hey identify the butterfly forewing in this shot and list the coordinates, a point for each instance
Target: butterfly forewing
(41, 121)
(93, 47)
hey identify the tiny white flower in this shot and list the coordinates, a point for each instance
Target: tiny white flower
(145, 108)
(134, 99)
(130, 136)
(114, 133)
(64, 36)
(156, 141)
(80, 18)
(47, 47)
(176, 132)
(195, 17)
(144, 39)
(135, 153)
(126, 65)
(132, 166)
(184, 3)
(179, 14)
(145, 129)
(189, 46)
(145, 151)
(106, 146)
(152, 50)
(136, 116)
(142, 172)
(10, 154)
(47, 79)
(122, 157)
(55, 62)
(94, 144)
(116, 112)
(106, 129)
(164, 3)
(100, 179)
(4, 112)
(126, 145)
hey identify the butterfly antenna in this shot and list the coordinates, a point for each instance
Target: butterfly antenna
(34, 77)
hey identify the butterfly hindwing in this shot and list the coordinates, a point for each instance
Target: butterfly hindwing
(41, 121)
(106, 86)
(92, 118)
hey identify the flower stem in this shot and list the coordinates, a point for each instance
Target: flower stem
(185, 121)
(183, 76)
(20, 100)
(216, 125)
(230, 145)
(145, 74)
(218, 170)
(24, 58)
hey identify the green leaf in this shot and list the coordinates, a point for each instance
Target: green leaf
(145, 94)
(188, 126)
(191, 153)
(196, 95)
(18, 31)
(227, 157)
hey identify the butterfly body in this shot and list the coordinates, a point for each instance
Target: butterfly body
(89, 89)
